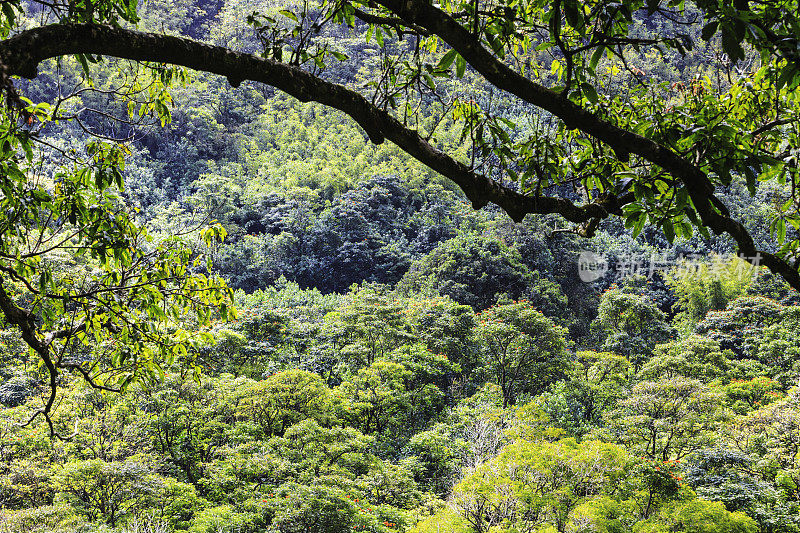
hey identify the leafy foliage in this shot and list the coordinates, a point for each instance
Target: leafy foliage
(397, 360)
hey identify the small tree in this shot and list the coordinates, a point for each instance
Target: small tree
(474, 270)
(666, 419)
(739, 326)
(379, 397)
(370, 326)
(535, 484)
(106, 490)
(523, 350)
(596, 382)
(693, 357)
(284, 399)
(709, 287)
(630, 325)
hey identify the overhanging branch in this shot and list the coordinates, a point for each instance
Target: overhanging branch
(623, 142)
(23, 53)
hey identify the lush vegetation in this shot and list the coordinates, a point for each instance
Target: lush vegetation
(225, 311)
(373, 410)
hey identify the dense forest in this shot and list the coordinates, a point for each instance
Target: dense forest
(382, 356)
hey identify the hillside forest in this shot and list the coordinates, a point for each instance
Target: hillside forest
(383, 357)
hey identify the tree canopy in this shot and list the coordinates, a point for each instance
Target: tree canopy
(602, 140)
(396, 359)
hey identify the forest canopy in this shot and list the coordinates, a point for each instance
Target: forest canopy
(601, 138)
(312, 266)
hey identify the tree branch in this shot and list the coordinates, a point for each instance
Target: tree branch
(24, 320)
(397, 23)
(23, 53)
(623, 142)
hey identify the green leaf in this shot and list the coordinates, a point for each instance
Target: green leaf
(598, 53)
(589, 92)
(730, 44)
(555, 22)
(288, 14)
(447, 60)
(429, 81)
(572, 13)
(669, 230)
(780, 228)
(84, 64)
(8, 11)
(636, 221)
(750, 177)
(709, 30)
(461, 66)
